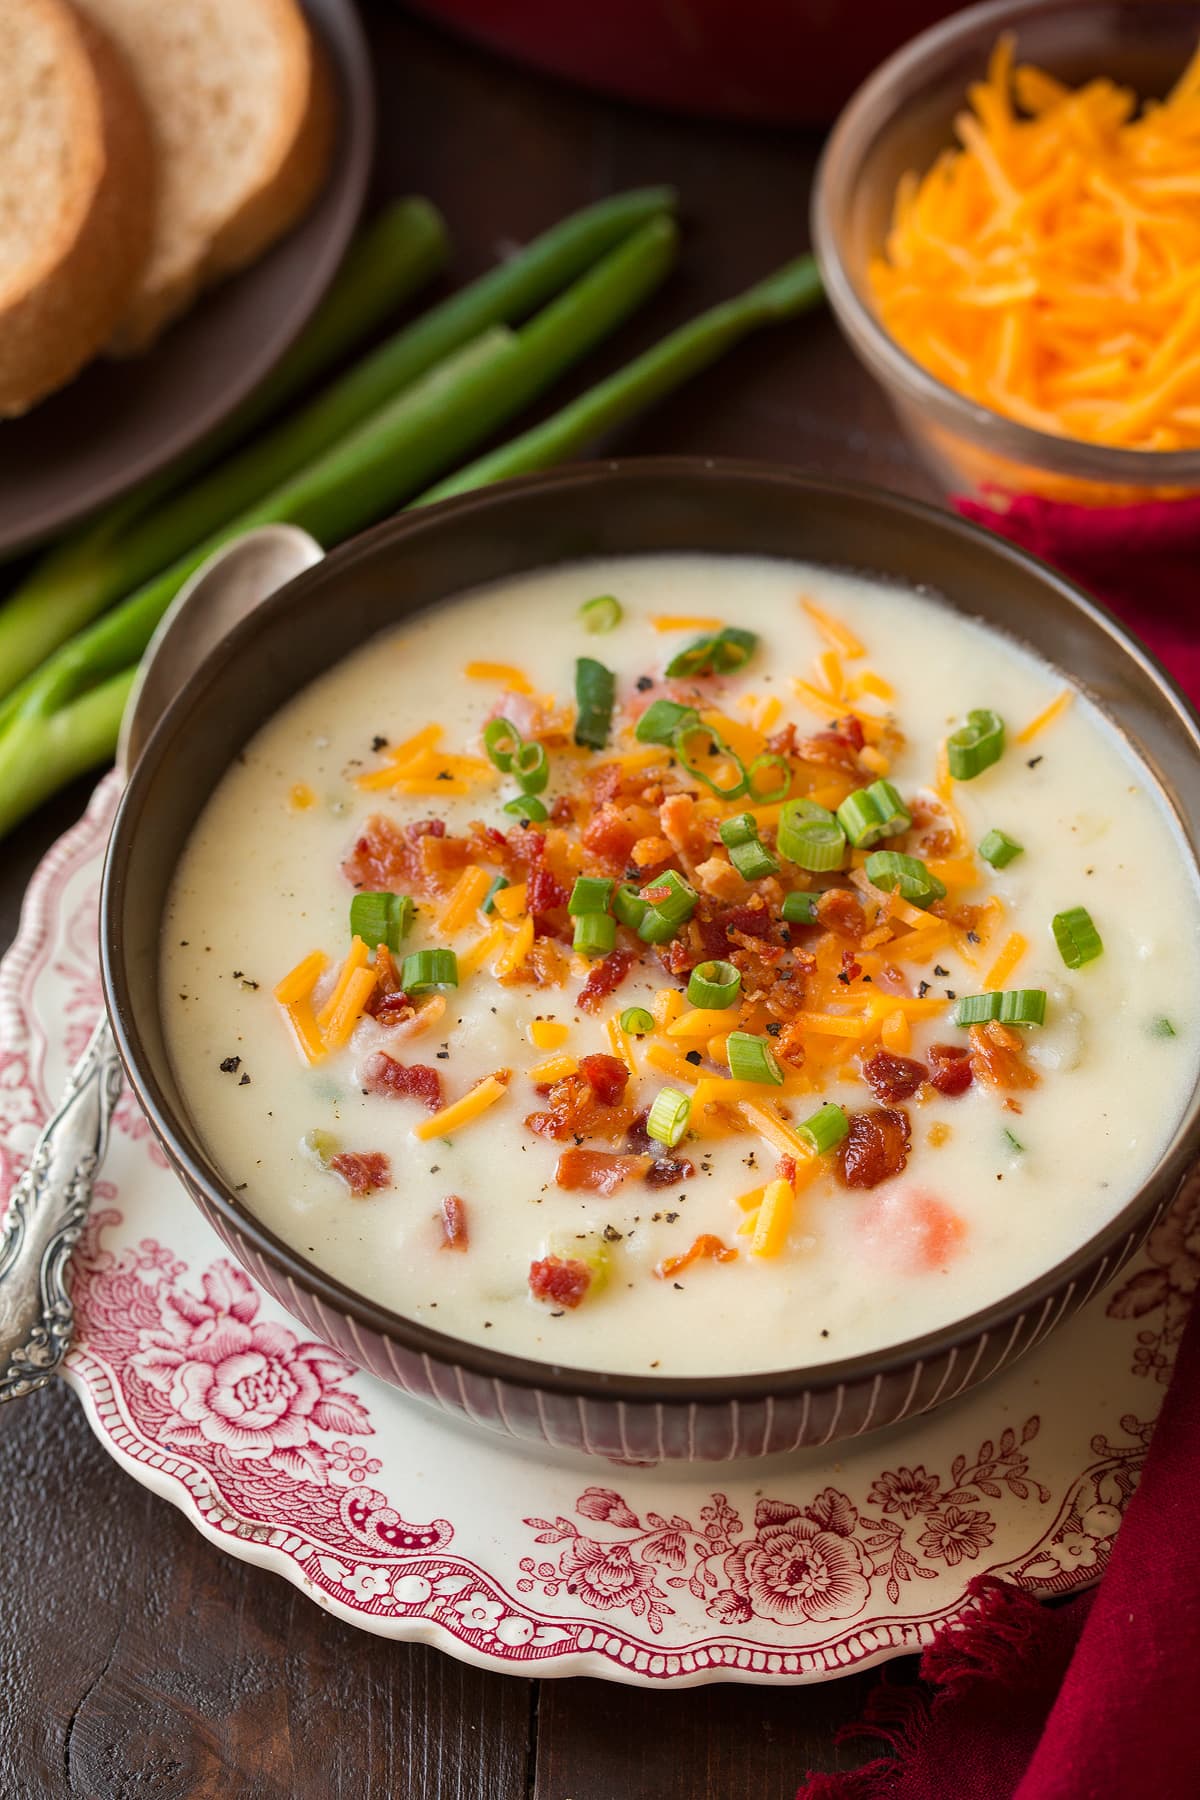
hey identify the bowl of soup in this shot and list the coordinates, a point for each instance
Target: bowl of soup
(670, 959)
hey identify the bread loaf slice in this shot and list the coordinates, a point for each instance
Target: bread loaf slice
(77, 187)
(240, 104)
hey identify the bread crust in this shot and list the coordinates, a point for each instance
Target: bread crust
(65, 302)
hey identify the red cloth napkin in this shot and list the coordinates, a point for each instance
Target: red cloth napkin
(1098, 1699)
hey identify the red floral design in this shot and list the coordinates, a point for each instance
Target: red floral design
(956, 1533)
(794, 1570)
(905, 1491)
(1166, 1287)
(605, 1575)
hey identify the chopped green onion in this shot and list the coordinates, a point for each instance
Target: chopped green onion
(429, 969)
(800, 908)
(742, 828)
(589, 895)
(752, 1059)
(888, 869)
(604, 613)
(768, 796)
(717, 748)
(1076, 936)
(825, 1128)
(1162, 1028)
(810, 836)
(637, 1021)
(595, 933)
(628, 905)
(323, 1144)
(670, 903)
(662, 719)
(1015, 1006)
(595, 692)
(488, 903)
(715, 655)
(590, 1250)
(381, 919)
(976, 745)
(999, 849)
(668, 1116)
(715, 984)
(526, 806)
(531, 766)
(872, 813)
(1014, 1143)
(502, 741)
(753, 861)
(890, 807)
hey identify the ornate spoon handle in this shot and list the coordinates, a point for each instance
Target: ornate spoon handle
(45, 1217)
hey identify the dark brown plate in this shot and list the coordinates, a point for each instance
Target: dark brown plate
(120, 421)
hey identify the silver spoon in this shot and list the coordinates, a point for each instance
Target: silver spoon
(50, 1203)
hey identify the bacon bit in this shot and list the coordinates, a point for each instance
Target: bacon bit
(789, 1046)
(362, 1170)
(936, 835)
(609, 837)
(667, 1171)
(752, 920)
(392, 1009)
(839, 911)
(783, 743)
(851, 727)
(382, 1074)
(785, 1170)
(574, 1110)
(891, 1078)
(720, 879)
(830, 749)
(851, 967)
(649, 851)
(598, 1171)
(607, 1077)
(952, 1072)
(604, 979)
(454, 1223)
(912, 1228)
(545, 892)
(875, 1148)
(999, 1063)
(560, 1279)
(706, 1245)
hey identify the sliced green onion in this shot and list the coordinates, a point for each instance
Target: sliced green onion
(716, 984)
(526, 806)
(770, 759)
(825, 1128)
(502, 741)
(742, 828)
(889, 869)
(628, 905)
(668, 1116)
(800, 908)
(381, 918)
(637, 1021)
(1014, 1143)
(717, 748)
(976, 745)
(323, 1144)
(429, 969)
(670, 903)
(999, 849)
(1015, 1006)
(488, 903)
(1162, 1028)
(589, 895)
(890, 807)
(531, 766)
(604, 613)
(595, 933)
(595, 692)
(715, 655)
(662, 719)
(810, 836)
(753, 861)
(1076, 936)
(752, 1059)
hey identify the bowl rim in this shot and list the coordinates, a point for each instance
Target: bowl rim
(889, 361)
(480, 1360)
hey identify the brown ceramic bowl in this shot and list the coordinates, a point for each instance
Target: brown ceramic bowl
(416, 561)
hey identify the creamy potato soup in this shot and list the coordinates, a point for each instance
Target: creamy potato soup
(685, 963)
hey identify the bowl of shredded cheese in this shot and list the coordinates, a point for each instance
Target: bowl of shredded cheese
(1007, 218)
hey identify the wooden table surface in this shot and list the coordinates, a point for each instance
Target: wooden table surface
(135, 1658)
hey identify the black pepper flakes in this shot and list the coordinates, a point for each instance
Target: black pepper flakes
(230, 1065)
(1033, 762)
(694, 1057)
(774, 1027)
(245, 1080)
(938, 970)
(378, 743)
(645, 683)
(922, 990)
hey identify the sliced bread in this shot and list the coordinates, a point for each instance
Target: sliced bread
(77, 187)
(241, 108)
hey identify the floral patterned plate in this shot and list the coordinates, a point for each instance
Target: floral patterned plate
(405, 1524)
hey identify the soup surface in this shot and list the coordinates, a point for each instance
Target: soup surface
(546, 1215)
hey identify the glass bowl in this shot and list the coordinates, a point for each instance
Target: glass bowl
(900, 119)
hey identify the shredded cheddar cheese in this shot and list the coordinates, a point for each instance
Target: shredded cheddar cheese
(553, 1069)
(299, 982)
(337, 1027)
(517, 948)
(684, 622)
(1047, 716)
(484, 1094)
(1014, 949)
(510, 901)
(836, 633)
(1049, 266)
(513, 679)
(774, 1219)
(466, 899)
(356, 958)
(548, 1034)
